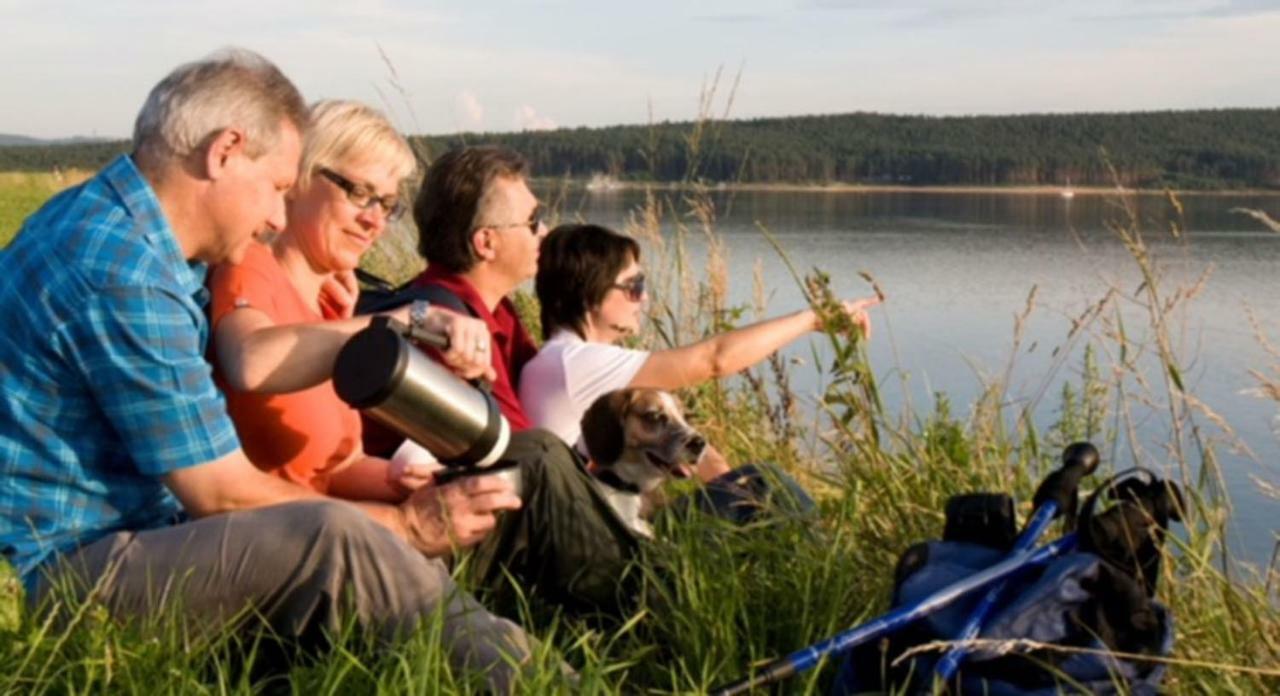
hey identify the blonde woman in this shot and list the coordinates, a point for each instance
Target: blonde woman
(279, 320)
(280, 316)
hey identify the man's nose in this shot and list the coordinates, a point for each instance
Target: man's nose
(373, 217)
(279, 215)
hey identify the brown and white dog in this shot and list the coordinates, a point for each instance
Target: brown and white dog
(638, 438)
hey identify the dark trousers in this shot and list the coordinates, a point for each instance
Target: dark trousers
(565, 546)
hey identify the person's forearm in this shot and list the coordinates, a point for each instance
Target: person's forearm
(282, 359)
(722, 354)
(271, 490)
(736, 350)
(233, 483)
(366, 479)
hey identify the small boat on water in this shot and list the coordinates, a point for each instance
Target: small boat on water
(603, 183)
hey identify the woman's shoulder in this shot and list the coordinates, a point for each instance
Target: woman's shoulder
(569, 349)
(256, 281)
(258, 264)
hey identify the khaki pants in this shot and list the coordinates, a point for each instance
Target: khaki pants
(305, 568)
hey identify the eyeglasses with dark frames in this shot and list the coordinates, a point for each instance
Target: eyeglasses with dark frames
(363, 198)
(534, 223)
(633, 288)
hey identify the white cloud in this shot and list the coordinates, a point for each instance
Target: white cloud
(913, 56)
(469, 111)
(528, 118)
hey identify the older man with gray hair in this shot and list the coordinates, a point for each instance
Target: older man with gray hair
(123, 479)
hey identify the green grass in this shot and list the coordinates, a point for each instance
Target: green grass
(22, 192)
(730, 598)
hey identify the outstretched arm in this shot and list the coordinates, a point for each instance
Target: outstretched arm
(736, 350)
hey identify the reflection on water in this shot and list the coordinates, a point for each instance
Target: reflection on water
(958, 267)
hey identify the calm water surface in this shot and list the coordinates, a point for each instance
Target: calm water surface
(957, 268)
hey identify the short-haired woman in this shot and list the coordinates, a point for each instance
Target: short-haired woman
(280, 316)
(592, 291)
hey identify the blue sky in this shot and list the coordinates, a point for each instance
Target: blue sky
(81, 68)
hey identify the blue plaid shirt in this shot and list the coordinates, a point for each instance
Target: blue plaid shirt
(103, 382)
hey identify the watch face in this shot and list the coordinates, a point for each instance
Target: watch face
(418, 313)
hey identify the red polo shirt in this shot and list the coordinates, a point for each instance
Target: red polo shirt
(512, 345)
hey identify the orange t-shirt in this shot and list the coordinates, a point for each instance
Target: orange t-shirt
(300, 436)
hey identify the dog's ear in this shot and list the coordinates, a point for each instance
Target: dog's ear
(1170, 502)
(602, 427)
(1161, 499)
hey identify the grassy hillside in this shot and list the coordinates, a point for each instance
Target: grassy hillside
(21, 193)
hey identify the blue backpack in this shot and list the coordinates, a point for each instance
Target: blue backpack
(1097, 598)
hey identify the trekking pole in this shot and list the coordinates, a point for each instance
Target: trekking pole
(1056, 495)
(807, 658)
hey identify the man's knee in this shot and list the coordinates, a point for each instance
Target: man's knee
(332, 514)
(541, 454)
(350, 557)
(324, 519)
(536, 441)
(340, 539)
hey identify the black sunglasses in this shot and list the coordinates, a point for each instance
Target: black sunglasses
(633, 288)
(392, 207)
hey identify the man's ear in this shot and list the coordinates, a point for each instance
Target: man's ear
(482, 243)
(602, 427)
(222, 147)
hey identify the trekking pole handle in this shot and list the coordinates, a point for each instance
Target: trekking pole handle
(1061, 486)
(1057, 494)
(806, 658)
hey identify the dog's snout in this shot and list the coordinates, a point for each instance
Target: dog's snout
(695, 445)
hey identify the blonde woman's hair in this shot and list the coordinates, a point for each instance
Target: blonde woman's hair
(342, 130)
(199, 100)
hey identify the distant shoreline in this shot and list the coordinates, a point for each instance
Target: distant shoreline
(75, 175)
(1042, 190)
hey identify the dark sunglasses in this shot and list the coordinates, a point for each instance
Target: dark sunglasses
(534, 223)
(633, 288)
(392, 207)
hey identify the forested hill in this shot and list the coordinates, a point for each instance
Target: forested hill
(1229, 148)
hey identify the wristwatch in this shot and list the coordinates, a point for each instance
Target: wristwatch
(418, 314)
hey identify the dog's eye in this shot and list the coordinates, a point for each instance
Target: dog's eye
(655, 417)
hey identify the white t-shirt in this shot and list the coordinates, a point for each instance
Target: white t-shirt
(562, 381)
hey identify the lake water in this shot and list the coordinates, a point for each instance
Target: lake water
(956, 268)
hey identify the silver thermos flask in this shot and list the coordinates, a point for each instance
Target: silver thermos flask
(381, 373)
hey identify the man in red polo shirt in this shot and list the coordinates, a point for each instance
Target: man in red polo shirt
(479, 230)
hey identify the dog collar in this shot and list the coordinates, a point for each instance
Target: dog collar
(611, 479)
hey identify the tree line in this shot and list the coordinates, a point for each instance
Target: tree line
(1223, 148)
